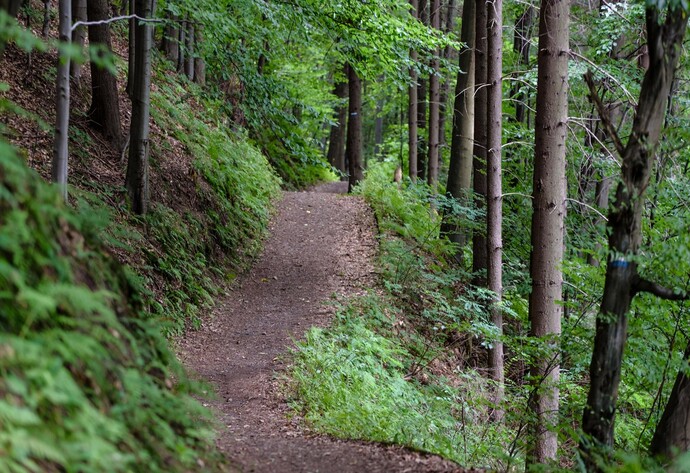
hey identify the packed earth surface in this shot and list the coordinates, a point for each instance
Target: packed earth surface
(320, 249)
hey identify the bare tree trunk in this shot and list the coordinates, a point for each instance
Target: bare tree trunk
(46, 18)
(434, 96)
(622, 281)
(61, 142)
(105, 105)
(412, 110)
(448, 22)
(199, 63)
(422, 89)
(460, 170)
(78, 38)
(181, 42)
(171, 34)
(494, 195)
(521, 46)
(353, 148)
(137, 180)
(189, 63)
(672, 434)
(479, 251)
(549, 209)
(336, 142)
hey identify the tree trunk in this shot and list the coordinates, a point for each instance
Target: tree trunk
(521, 45)
(423, 15)
(354, 129)
(494, 195)
(625, 219)
(61, 142)
(479, 252)
(137, 180)
(189, 63)
(181, 42)
(78, 38)
(199, 63)
(672, 434)
(462, 139)
(412, 110)
(336, 142)
(171, 34)
(549, 209)
(434, 90)
(46, 18)
(131, 48)
(105, 105)
(447, 54)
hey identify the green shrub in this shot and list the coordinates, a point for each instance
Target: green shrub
(87, 381)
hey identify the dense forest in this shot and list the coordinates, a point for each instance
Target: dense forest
(525, 163)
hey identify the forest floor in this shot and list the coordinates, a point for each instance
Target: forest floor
(320, 249)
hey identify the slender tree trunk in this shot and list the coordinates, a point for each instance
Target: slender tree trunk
(199, 63)
(78, 38)
(462, 140)
(60, 144)
(447, 55)
(549, 209)
(189, 63)
(105, 105)
(131, 48)
(494, 196)
(46, 18)
(622, 281)
(353, 148)
(336, 142)
(521, 46)
(137, 180)
(181, 42)
(378, 127)
(412, 110)
(479, 251)
(422, 89)
(432, 174)
(171, 34)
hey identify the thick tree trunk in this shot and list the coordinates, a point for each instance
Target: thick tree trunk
(462, 139)
(137, 180)
(104, 112)
(354, 129)
(78, 38)
(494, 196)
(625, 219)
(549, 209)
(479, 252)
(434, 96)
(672, 433)
(61, 141)
(336, 141)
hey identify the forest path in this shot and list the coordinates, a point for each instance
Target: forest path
(320, 244)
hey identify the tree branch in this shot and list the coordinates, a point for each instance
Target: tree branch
(643, 285)
(603, 113)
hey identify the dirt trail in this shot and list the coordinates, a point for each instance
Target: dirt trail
(321, 244)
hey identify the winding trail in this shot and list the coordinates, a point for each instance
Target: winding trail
(321, 244)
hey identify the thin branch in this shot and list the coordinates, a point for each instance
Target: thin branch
(114, 19)
(643, 285)
(606, 73)
(589, 207)
(603, 114)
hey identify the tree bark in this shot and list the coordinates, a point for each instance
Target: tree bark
(521, 46)
(181, 42)
(434, 96)
(479, 252)
(199, 63)
(189, 63)
(422, 89)
(171, 34)
(672, 433)
(462, 139)
(336, 142)
(549, 209)
(353, 149)
(78, 38)
(625, 219)
(61, 141)
(494, 196)
(104, 112)
(137, 180)
(447, 55)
